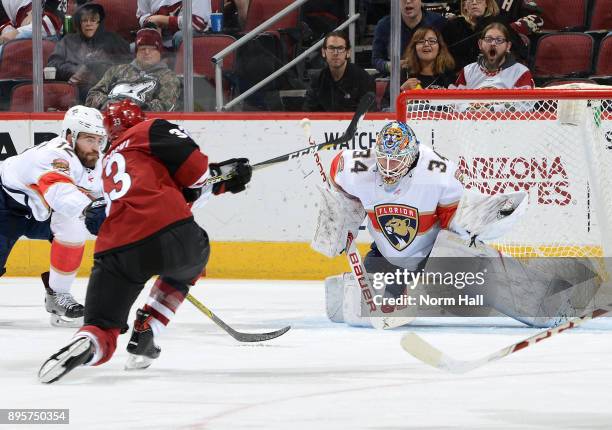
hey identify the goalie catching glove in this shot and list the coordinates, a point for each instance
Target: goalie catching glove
(338, 215)
(239, 174)
(488, 217)
(95, 214)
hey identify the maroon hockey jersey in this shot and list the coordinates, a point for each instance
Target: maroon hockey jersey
(143, 173)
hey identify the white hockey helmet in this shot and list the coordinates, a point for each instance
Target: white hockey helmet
(396, 149)
(83, 119)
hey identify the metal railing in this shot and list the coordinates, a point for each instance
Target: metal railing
(218, 58)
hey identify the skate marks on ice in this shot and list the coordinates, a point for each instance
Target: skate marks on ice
(318, 375)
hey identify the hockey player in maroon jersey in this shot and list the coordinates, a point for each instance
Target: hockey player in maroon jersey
(152, 170)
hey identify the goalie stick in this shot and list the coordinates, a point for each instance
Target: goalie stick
(364, 104)
(239, 336)
(352, 253)
(428, 354)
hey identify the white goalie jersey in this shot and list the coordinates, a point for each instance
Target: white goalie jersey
(403, 220)
(49, 177)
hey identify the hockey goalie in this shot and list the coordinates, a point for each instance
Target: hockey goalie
(421, 218)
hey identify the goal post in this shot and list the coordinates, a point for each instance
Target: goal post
(556, 144)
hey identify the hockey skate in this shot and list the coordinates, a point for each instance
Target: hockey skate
(141, 347)
(75, 354)
(64, 310)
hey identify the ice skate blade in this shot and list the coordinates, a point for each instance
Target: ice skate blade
(64, 361)
(62, 321)
(138, 362)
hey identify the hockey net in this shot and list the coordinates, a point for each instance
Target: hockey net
(556, 144)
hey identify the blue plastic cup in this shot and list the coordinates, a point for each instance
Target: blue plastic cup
(216, 22)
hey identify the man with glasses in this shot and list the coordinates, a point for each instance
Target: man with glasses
(496, 66)
(413, 17)
(340, 85)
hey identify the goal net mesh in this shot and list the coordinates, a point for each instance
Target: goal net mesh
(556, 144)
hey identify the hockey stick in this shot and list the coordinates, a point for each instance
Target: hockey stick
(352, 253)
(364, 104)
(428, 354)
(239, 336)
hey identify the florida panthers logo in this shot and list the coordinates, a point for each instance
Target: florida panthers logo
(398, 223)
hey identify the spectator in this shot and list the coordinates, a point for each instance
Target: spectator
(462, 32)
(239, 8)
(426, 63)
(81, 58)
(496, 67)
(16, 19)
(168, 15)
(146, 80)
(340, 85)
(413, 17)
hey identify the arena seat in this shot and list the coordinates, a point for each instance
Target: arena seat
(603, 66)
(58, 96)
(564, 14)
(16, 58)
(120, 17)
(563, 54)
(601, 15)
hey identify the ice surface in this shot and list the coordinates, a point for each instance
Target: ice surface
(319, 375)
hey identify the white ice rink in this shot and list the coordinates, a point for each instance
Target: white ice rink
(319, 375)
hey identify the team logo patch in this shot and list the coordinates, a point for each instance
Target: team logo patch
(61, 165)
(398, 223)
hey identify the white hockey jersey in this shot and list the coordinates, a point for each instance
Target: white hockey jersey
(15, 11)
(511, 75)
(200, 13)
(404, 220)
(50, 176)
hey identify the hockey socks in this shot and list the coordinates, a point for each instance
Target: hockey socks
(164, 299)
(65, 262)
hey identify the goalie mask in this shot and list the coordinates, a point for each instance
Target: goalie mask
(396, 149)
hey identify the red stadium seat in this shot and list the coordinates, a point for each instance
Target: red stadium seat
(601, 18)
(16, 58)
(120, 17)
(216, 6)
(288, 26)
(604, 58)
(204, 47)
(563, 54)
(261, 10)
(561, 14)
(58, 96)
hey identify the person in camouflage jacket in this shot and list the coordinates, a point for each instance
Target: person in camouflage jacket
(146, 80)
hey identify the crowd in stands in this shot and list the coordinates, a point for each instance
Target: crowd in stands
(108, 49)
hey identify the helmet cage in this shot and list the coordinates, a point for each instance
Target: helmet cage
(396, 150)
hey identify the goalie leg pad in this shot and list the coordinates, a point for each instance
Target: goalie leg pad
(334, 298)
(539, 292)
(338, 215)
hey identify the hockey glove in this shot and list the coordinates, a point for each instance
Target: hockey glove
(95, 214)
(192, 194)
(239, 170)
